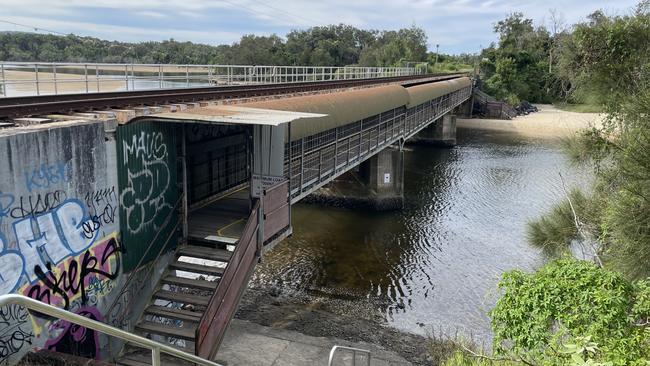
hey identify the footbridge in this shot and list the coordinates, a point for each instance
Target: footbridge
(180, 193)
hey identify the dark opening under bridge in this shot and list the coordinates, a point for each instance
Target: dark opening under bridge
(205, 188)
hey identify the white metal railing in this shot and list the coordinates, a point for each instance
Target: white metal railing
(155, 347)
(41, 78)
(354, 354)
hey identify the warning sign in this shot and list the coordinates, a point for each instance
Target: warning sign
(261, 182)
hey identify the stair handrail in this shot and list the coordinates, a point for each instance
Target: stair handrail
(52, 311)
(215, 313)
(354, 354)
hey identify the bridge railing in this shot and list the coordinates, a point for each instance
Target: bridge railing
(41, 78)
(269, 216)
(313, 161)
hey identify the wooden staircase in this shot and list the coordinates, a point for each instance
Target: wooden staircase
(183, 294)
(199, 291)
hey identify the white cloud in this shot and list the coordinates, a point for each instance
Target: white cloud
(458, 25)
(115, 32)
(151, 14)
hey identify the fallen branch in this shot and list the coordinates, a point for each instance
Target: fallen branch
(578, 224)
(494, 359)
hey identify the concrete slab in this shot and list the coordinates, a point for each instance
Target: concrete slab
(247, 343)
(241, 348)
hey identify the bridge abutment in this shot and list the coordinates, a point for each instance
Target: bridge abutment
(439, 133)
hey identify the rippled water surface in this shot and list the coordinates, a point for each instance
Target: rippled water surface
(435, 264)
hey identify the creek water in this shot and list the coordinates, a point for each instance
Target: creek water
(433, 266)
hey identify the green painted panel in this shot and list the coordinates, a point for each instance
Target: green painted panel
(147, 180)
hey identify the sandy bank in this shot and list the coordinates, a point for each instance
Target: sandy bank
(548, 122)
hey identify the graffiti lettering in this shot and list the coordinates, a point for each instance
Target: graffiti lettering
(12, 267)
(102, 207)
(37, 204)
(15, 332)
(143, 198)
(75, 339)
(46, 176)
(58, 235)
(59, 285)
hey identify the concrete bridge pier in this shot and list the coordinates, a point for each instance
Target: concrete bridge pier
(376, 184)
(383, 177)
(439, 133)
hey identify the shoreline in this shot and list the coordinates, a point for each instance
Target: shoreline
(549, 122)
(280, 311)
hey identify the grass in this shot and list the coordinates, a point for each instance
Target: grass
(579, 108)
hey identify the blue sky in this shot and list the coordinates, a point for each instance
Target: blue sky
(457, 25)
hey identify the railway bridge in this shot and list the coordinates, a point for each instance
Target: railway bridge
(148, 210)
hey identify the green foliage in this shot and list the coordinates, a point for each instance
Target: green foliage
(333, 45)
(554, 231)
(542, 316)
(518, 68)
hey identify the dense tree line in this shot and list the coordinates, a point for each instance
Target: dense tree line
(336, 45)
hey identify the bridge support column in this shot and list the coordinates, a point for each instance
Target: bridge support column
(376, 184)
(383, 176)
(440, 133)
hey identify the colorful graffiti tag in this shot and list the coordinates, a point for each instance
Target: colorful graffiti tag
(75, 339)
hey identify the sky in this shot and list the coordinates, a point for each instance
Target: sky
(456, 25)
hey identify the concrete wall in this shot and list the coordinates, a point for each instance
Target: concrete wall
(59, 224)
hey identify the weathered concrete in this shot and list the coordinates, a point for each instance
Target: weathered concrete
(439, 133)
(251, 344)
(377, 184)
(59, 237)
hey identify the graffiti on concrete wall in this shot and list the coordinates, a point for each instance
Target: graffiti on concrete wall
(46, 176)
(15, 331)
(75, 339)
(80, 280)
(146, 156)
(59, 222)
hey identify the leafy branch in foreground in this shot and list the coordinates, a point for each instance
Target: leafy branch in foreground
(540, 313)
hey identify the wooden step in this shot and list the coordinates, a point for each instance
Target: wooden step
(182, 298)
(195, 251)
(141, 357)
(173, 313)
(196, 268)
(127, 361)
(190, 283)
(184, 332)
(212, 240)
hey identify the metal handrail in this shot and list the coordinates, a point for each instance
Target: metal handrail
(155, 347)
(51, 77)
(354, 354)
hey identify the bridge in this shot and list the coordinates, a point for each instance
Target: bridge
(181, 191)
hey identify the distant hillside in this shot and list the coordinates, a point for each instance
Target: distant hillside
(335, 45)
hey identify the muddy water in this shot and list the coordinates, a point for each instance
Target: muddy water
(433, 266)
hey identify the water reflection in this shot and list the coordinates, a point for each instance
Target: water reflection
(436, 263)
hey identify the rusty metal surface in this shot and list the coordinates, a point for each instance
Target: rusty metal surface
(423, 93)
(341, 108)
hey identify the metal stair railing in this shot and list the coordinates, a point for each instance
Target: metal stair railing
(354, 354)
(156, 348)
